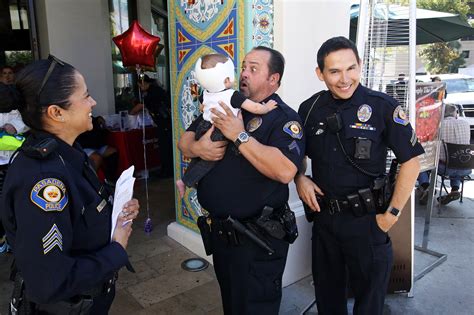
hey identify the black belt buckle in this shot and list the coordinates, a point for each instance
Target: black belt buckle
(334, 206)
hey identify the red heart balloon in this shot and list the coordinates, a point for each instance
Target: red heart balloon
(137, 46)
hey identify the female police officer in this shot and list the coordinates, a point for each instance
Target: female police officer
(56, 213)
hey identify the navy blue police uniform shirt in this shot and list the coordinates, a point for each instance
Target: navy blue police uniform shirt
(58, 229)
(367, 115)
(234, 186)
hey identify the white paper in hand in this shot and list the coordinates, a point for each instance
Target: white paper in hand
(123, 193)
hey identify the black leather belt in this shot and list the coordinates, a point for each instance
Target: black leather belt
(335, 205)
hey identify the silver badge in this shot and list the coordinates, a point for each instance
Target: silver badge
(364, 113)
(254, 123)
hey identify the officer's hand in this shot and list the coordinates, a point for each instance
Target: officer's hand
(307, 191)
(228, 123)
(130, 209)
(9, 129)
(122, 231)
(209, 150)
(385, 221)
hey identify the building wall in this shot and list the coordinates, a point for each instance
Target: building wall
(78, 32)
(195, 30)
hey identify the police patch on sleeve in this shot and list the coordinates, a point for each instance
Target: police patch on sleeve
(49, 195)
(399, 116)
(52, 239)
(293, 128)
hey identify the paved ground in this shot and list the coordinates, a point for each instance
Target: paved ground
(160, 286)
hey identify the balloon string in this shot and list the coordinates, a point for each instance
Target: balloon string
(142, 100)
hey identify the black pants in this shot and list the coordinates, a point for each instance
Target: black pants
(348, 248)
(249, 278)
(198, 168)
(100, 306)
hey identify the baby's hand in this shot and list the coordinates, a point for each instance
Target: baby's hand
(270, 105)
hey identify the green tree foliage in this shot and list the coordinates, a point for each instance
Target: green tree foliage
(16, 58)
(444, 57)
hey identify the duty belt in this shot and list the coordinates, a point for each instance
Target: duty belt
(335, 205)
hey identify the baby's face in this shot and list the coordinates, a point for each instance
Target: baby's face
(228, 83)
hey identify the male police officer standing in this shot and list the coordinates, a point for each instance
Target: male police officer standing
(348, 130)
(247, 180)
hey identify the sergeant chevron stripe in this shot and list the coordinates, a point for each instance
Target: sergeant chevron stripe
(51, 239)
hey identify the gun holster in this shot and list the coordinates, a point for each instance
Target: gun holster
(204, 225)
(280, 223)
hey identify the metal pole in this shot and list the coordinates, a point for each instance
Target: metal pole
(361, 23)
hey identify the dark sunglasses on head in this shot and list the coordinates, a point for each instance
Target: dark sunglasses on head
(54, 61)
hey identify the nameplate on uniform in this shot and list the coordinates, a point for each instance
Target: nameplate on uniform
(49, 195)
(101, 205)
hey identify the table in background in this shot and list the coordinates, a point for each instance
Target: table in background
(129, 145)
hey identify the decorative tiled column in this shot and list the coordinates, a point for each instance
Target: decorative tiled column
(199, 27)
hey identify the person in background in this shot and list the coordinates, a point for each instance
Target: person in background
(102, 155)
(10, 125)
(56, 214)
(157, 102)
(348, 131)
(7, 76)
(453, 130)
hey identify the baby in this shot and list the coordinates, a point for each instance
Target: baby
(215, 73)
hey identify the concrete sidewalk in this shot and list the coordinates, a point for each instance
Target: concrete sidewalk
(160, 286)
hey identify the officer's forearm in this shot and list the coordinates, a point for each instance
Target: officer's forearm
(268, 160)
(405, 182)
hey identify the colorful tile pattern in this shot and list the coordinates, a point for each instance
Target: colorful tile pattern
(196, 28)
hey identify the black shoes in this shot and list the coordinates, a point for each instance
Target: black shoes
(454, 195)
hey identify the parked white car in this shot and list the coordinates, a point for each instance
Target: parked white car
(460, 91)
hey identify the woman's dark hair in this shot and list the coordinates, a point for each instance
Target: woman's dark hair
(276, 64)
(335, 44)
(41, 84)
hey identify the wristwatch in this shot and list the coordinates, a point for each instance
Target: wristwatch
(394, 211)
(242, 138)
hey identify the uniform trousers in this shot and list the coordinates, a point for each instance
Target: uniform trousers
(249, 278)
(349, 248)
(100, 306)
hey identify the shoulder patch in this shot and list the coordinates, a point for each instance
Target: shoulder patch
(293, 128)
(49, 195)
(399, 116)
(52, 239)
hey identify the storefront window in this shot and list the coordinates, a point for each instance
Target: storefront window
(122, 13)
(15, 33)
(159, 27)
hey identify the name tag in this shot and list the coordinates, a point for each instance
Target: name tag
(101, 205)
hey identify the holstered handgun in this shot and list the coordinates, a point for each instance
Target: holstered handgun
(204, 225)
(271, 226)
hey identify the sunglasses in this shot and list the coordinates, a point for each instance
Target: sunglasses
(54, 61)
